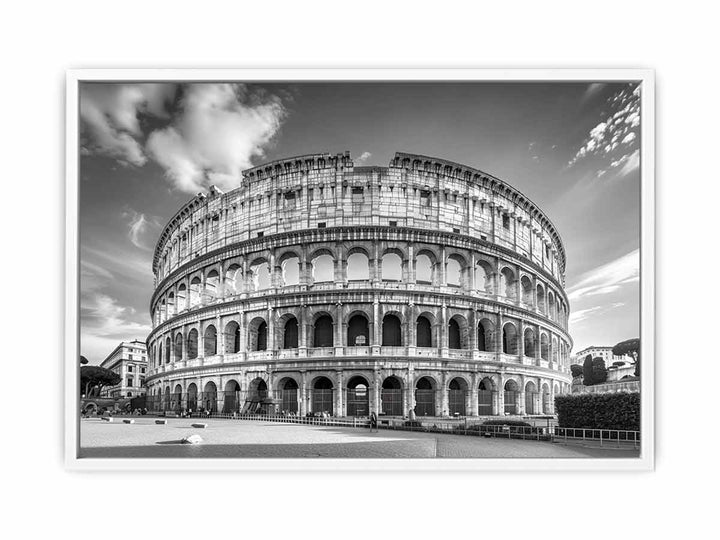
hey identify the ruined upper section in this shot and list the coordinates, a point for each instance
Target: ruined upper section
(327, 190)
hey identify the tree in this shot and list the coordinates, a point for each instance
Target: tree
(93, 378)
(599, 371)
(576, 370)
(83, 360)
(631, 347)
(588, 371)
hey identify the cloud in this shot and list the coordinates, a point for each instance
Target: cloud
(110, 122)
(139, 226)
(215, 135)
(363, 158)
(596, 311)
(104, 323)
(608, 278)
(629, 163)
(623, 118)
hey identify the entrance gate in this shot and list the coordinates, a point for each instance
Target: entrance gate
(322, 400)
(456, 402)
(530, 402)
(425, 402)
(511, 399)
(289, 400)
(391, 399)
(484, 402)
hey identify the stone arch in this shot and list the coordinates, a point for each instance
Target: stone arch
(457, 396)
(288, 392)
(195, 292)
(358, 325)
(544, 352)
(458, 332)
(358, 396)
(424, 330)
(171, 304)
(210, 340)
(322, 266)
(232, 337)
(233, 279)
(391, 266)
(510, 338)
(209, 397)
(231, 397)
(527, 290)
(531, 398)
(392, 330)
(260, 276)
(511, 391)
(540, 292)
(391, 396)
(454, 270)
(529, 342)
(546, 404)
(192, 344)
(507, 283)
(178, 346)
(323, 330)
(357, 265)
(257, 389)
(555, 353)
(192, 397)
(486, 333)
(483, 277)
(323, 393)
(425, 267)
(551, 306)
(425, 394)
(182, 297)
(212, 285)
(289, 263)
(257, 334)
(168, 349)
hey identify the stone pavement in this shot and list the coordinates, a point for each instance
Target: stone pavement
(258, 439)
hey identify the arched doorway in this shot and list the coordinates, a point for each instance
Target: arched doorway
(192, 396)
(358, 397)
(485, 397)
(391, 397)
(176, 403)
(546, 406)
(290, 334)
(454, 335)
(231, 397)
(425, 397)
(322, 396)
(210, 397)
(511, 397)
(457, 394)
(288, 396)
(531, 397)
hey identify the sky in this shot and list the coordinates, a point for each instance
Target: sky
(147, 148)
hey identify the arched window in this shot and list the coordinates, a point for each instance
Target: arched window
(261, 343)
(510, 343)
(260, 273)
(160, 354)
(358, 328)
(171, 305)
(454, 341)
(323, 332)
(232, 337)
(424, 332)
(485, 331)
(323, 269)
(210, 339)
(290, 271)
(195, 291)
(182, 297)
(212, 285)
(507, 283)
(168, 348)
(454, 272)
(529, 343)
(391, 267)
(544, 353)
(541, 298)
(423, 269)
(257, 334)
(178, 346)
(527, 290)
(233, 280)
(192, 344)
(358, 267)
(290, 334)
(483, 281)
(551, 307)
(391, 331)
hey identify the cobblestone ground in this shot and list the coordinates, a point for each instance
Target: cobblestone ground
(257, 439)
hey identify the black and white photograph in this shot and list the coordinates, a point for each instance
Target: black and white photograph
(342, 268)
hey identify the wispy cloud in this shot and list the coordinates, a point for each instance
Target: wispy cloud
(110, 118)
(608, 277)
(138, 228)
(596, 311)
(215, 135)
(363, 158)
(617, 131)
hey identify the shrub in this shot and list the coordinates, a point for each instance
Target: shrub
(599, 411)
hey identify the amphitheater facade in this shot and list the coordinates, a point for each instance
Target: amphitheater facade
(322, 287)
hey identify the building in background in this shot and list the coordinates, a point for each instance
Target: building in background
(129, 360)
(600, 352)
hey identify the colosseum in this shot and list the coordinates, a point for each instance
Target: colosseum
(321, 287)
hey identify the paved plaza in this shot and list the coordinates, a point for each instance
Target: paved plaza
(259, 439)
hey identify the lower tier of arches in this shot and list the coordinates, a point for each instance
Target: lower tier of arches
(358, 391)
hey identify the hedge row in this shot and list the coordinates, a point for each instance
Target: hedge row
(599, 411)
